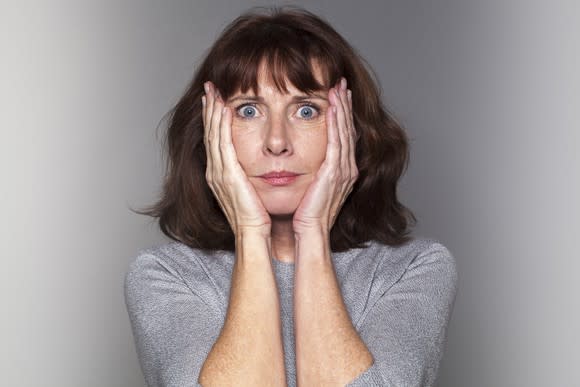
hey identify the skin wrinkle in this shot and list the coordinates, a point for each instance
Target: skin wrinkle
(289, 318)
(328, 349)
(279, 139)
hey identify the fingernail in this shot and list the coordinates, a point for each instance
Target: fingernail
(349, 94)
(343, 83)
(203, 100)
(206, 87)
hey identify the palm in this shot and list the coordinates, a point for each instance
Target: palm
(314, 204)
(333, 182)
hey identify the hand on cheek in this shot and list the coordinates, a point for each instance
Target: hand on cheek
(235, 194)
(337, 174)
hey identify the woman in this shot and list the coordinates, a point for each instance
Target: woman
(292, 261)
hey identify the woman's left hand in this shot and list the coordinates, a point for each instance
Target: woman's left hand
(337, 174)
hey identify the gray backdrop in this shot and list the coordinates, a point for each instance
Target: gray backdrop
(487, 90)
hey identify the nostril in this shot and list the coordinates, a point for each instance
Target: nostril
(274, 151)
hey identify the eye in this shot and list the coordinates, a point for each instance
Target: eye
(247, 111)
(308, 111)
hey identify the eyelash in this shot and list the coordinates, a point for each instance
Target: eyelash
(308, 104)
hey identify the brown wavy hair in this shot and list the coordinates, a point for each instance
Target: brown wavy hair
(288, 39)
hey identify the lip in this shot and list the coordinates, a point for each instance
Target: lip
(279, 178)
(278, 174)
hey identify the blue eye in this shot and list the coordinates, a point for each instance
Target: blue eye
(247, 111)
(307, 111)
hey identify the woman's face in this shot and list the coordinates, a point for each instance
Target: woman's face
(276, 132)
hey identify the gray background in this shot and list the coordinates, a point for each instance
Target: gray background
(489, 94)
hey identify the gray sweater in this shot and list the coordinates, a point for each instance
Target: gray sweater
(399, 299)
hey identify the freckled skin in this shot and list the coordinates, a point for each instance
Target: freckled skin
(277, 136)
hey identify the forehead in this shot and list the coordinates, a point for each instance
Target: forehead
(267, 85)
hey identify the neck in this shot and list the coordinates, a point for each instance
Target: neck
(282, 242)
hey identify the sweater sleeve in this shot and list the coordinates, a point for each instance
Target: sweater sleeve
(405, 330)
(173, 328)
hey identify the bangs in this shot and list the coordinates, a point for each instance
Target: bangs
(287, 55)
(296, 46)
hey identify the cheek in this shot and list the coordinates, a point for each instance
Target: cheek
(314, 145)
(310, 144)
(244, 141)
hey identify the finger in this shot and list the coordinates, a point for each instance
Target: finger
(346, 99)
(350, 115)
(227, 150)
(352, 134)
(203, 115)
(342, 130)
(333, 141)
(205, 134)
(203, 109)
(209, 102)
(209, 110)
(215, 146)
(214, 135)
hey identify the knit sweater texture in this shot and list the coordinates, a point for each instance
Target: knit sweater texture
(399, 299)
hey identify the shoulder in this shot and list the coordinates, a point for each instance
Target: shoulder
(424, 262)
(422, 257)
(420, 266)
(180, 259)
(176, 268)
(417, 251)
(169, 259)
(420, 251)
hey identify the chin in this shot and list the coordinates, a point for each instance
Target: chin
(280, 209)
(281, 213)
(281, 204)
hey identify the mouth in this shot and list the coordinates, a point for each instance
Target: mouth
(279, 178)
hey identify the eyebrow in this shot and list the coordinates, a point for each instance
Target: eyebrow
(296, 98)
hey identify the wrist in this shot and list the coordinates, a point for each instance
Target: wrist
(253, 231)
(312, 245)
(311, 230)
(252, 240)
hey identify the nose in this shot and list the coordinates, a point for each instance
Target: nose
(277, 141)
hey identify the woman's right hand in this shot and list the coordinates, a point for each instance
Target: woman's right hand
(225, 176)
